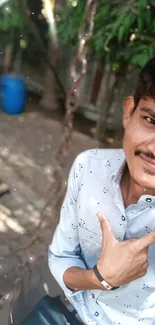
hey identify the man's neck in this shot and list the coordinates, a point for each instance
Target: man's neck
(131, 192)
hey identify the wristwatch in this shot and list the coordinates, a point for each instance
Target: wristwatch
(105, 284)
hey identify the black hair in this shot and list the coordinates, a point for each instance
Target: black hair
(146, 82)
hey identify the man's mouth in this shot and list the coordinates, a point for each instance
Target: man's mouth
(148, 161)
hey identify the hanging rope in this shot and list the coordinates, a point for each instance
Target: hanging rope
(72, 104)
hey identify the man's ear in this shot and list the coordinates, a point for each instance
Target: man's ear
(128, 107)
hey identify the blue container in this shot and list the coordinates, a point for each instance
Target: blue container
(13, 94)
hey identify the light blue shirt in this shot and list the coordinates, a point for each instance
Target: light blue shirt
(94, 186)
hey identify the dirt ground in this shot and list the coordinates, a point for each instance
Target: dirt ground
(27, 145)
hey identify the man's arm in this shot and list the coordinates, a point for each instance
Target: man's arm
(78, 279)
(65, 260)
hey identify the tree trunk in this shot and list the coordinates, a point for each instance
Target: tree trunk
(18, 62)
(106, 91)
(111, 95)
(115, 110)
(52, 77)
(60, 2)
(97, 81)
(51, 97)
(7, 58)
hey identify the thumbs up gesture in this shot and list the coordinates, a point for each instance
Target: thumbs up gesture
(122, 262)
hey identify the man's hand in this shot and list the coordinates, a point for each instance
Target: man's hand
(122, 262)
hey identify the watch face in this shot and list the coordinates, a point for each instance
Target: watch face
(106, 285)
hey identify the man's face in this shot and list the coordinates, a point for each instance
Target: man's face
(139, 141)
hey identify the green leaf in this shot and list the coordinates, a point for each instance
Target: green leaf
(140, 60)
(147, 16)
(142, 4)
(140, 22)
(120, 33)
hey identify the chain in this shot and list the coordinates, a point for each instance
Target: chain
(78, 70)
(56, 189)
(72, 104)
(80, 62)
(84, 36)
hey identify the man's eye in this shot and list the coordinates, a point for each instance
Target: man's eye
(150, 120)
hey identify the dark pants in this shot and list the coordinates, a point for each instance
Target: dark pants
(51, 311)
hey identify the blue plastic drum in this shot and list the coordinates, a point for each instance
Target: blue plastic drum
(13, 94)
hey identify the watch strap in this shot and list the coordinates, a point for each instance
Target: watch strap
(105, 284)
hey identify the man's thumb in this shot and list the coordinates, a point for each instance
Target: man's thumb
(105, 226)
(147, 240)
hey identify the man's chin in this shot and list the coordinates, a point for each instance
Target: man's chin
(147, 167)
(145, 180)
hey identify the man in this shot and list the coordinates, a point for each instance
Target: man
(103, 250)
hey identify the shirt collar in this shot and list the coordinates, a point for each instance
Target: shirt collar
(119, 165)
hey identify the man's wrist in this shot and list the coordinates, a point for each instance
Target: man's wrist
(104, 283)
(95, 282)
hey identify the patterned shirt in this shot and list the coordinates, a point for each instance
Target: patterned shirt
(94, 186)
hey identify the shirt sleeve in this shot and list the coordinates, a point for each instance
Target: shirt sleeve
(64, 251)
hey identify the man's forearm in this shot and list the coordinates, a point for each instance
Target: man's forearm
(77, 279)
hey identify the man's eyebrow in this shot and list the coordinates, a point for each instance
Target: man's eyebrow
(148, 110)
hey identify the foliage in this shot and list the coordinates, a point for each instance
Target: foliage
(12, 25)
(14, 29)
(124, 30)
(11, 17)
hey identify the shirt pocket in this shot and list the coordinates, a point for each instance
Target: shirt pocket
(91, 245)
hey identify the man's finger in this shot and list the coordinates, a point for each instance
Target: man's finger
(105, 226)
(147, 240)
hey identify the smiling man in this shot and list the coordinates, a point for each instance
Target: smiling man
(103, 251)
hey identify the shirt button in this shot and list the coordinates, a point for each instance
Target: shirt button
(96, 313)
(148, 199)
(123, 218)
(93, 296)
